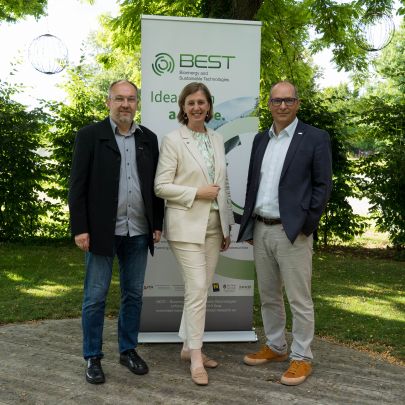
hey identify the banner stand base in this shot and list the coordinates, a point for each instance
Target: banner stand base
(221, 336)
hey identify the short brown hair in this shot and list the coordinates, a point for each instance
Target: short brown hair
(192, 88)
(122, 81)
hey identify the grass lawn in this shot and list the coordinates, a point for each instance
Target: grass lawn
(44, 282)
(359, 299)
(359, 293)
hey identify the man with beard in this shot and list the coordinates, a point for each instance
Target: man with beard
(114, 212)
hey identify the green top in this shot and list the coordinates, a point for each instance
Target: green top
(207, 152)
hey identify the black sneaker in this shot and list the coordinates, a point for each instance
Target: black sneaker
(133, 361)
(94, 371)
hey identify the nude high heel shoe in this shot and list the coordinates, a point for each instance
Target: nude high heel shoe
(199, 376)
(208, 362)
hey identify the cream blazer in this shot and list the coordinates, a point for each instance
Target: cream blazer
(180, 172)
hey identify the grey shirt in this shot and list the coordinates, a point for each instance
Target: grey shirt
(131, 217)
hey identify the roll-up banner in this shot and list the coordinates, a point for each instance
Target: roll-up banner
(225, 56)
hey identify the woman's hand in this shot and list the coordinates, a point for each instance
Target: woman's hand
(225, 243)
(209, 192)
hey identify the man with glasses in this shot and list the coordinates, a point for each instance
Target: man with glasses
(288, 185)
(114, 212)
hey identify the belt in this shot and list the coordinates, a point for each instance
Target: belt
(268, 221)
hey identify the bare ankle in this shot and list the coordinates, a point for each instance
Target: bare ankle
(196, 358)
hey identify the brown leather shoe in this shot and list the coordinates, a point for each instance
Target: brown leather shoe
(207, 362)
(297, 373)
(199, 376)
(264, 355)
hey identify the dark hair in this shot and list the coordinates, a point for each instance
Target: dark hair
(192, 88)
(285, 81)
(122, 81)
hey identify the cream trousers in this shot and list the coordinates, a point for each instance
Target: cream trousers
(197, 263)
(280, 263)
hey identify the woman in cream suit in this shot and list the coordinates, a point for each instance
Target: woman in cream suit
(191, 177)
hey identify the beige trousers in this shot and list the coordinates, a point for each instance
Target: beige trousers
(197, 263)
(280, 263)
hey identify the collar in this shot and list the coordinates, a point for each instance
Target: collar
(186, 132)
(134, 127)
(289, 130)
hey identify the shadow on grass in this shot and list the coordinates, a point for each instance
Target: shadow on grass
(359, 298)
(38, 282)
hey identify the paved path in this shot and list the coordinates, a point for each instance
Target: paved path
(40, 363)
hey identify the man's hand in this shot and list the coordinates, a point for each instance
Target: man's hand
(250, 241)
(209, 192)
(83, 241)
(156, 236)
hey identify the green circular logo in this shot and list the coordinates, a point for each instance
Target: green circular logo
(164, 63)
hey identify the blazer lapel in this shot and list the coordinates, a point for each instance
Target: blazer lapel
(108, 136)
(141, 143)
(295, 142)
(258, 159)
(191, 145)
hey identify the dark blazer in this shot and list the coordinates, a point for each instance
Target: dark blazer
(94, 181)
(305, 182)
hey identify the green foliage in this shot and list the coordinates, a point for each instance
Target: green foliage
(384, 181)
(335, 26)
(85, 107)
(23, 169)
(381, 115)
(47, 215)
(126, 28)
(283, 54)
(285, 32)
(391, 65)
(286, 47)
(12, 10)
(230, 9)
(328, 111)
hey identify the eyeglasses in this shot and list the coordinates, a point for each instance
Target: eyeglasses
(120, 99)
(289, 101)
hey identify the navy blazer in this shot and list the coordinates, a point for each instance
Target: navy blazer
(94, 182)
(305, 181)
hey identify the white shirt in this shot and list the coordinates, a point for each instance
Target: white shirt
(273, 160)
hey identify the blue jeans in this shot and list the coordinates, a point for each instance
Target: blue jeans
(132, 253)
